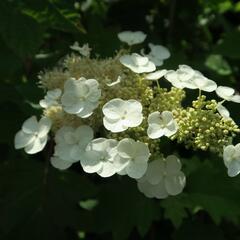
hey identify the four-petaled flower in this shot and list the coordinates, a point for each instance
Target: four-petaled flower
(120, 114)
(158, 54)
(228, 94)
(162, 178)
(186, 77)
(51, 99)
(85, 50)
(137, 63)
(132, 158)
(71, 144)
(34, 135)
(231, 158)
(99, 157)
(161, 124)
(132, 38)
(81, 96)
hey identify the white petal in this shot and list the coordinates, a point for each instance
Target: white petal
(155, 171)
(114, 125)
(146, 189)
(159, 51)
(236, 98)
(142, 152)
(228, 153)
(154, 131)
(36, 146)
(113, 108)
(136, 170)
(225, 92)
(173, 164)
(107, 169)
(223, 111)
(30, 125)
(175, 183)
(156, 75)
(120, 164)
(234, 168)
(132, 38)
(90, 162)
(59, 163)
(171, 129)
(185, 72)
(205, 84)
(84, 134)
(22, 139)
(159, 190)
(154, 117)
(126, 148)
(45, 124)
(64, 151)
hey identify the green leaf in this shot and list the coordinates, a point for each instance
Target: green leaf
(175, 208)
(125, 208)
(211, 189)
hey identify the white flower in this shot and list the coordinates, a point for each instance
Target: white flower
(33, 135)
(120, 114)
(85, 50)
(99, 157)
(137, 63)
(228, 94)
(180, 77)
(156, 75)
(132, 158)
(81, 96)
(186, 77)
(202, 83)
(161, 124)
(158, 54)
(231, 158)
(162, 178)
(132, 38)
(223, 111)
(51, 99)
(71, 144)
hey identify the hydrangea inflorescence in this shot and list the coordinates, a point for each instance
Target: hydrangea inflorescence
(111, 115)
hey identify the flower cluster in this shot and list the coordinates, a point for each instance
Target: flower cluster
(111, 115)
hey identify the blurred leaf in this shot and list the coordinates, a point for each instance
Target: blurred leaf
(88, 204)
(39, 202)
(229, 46)
(55, 14)
(218, 64)
(21, 33)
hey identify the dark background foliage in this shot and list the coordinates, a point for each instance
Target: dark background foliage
(39, 202)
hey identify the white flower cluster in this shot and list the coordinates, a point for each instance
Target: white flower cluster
(156, 176)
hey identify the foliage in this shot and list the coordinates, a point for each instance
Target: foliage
(38, 202)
